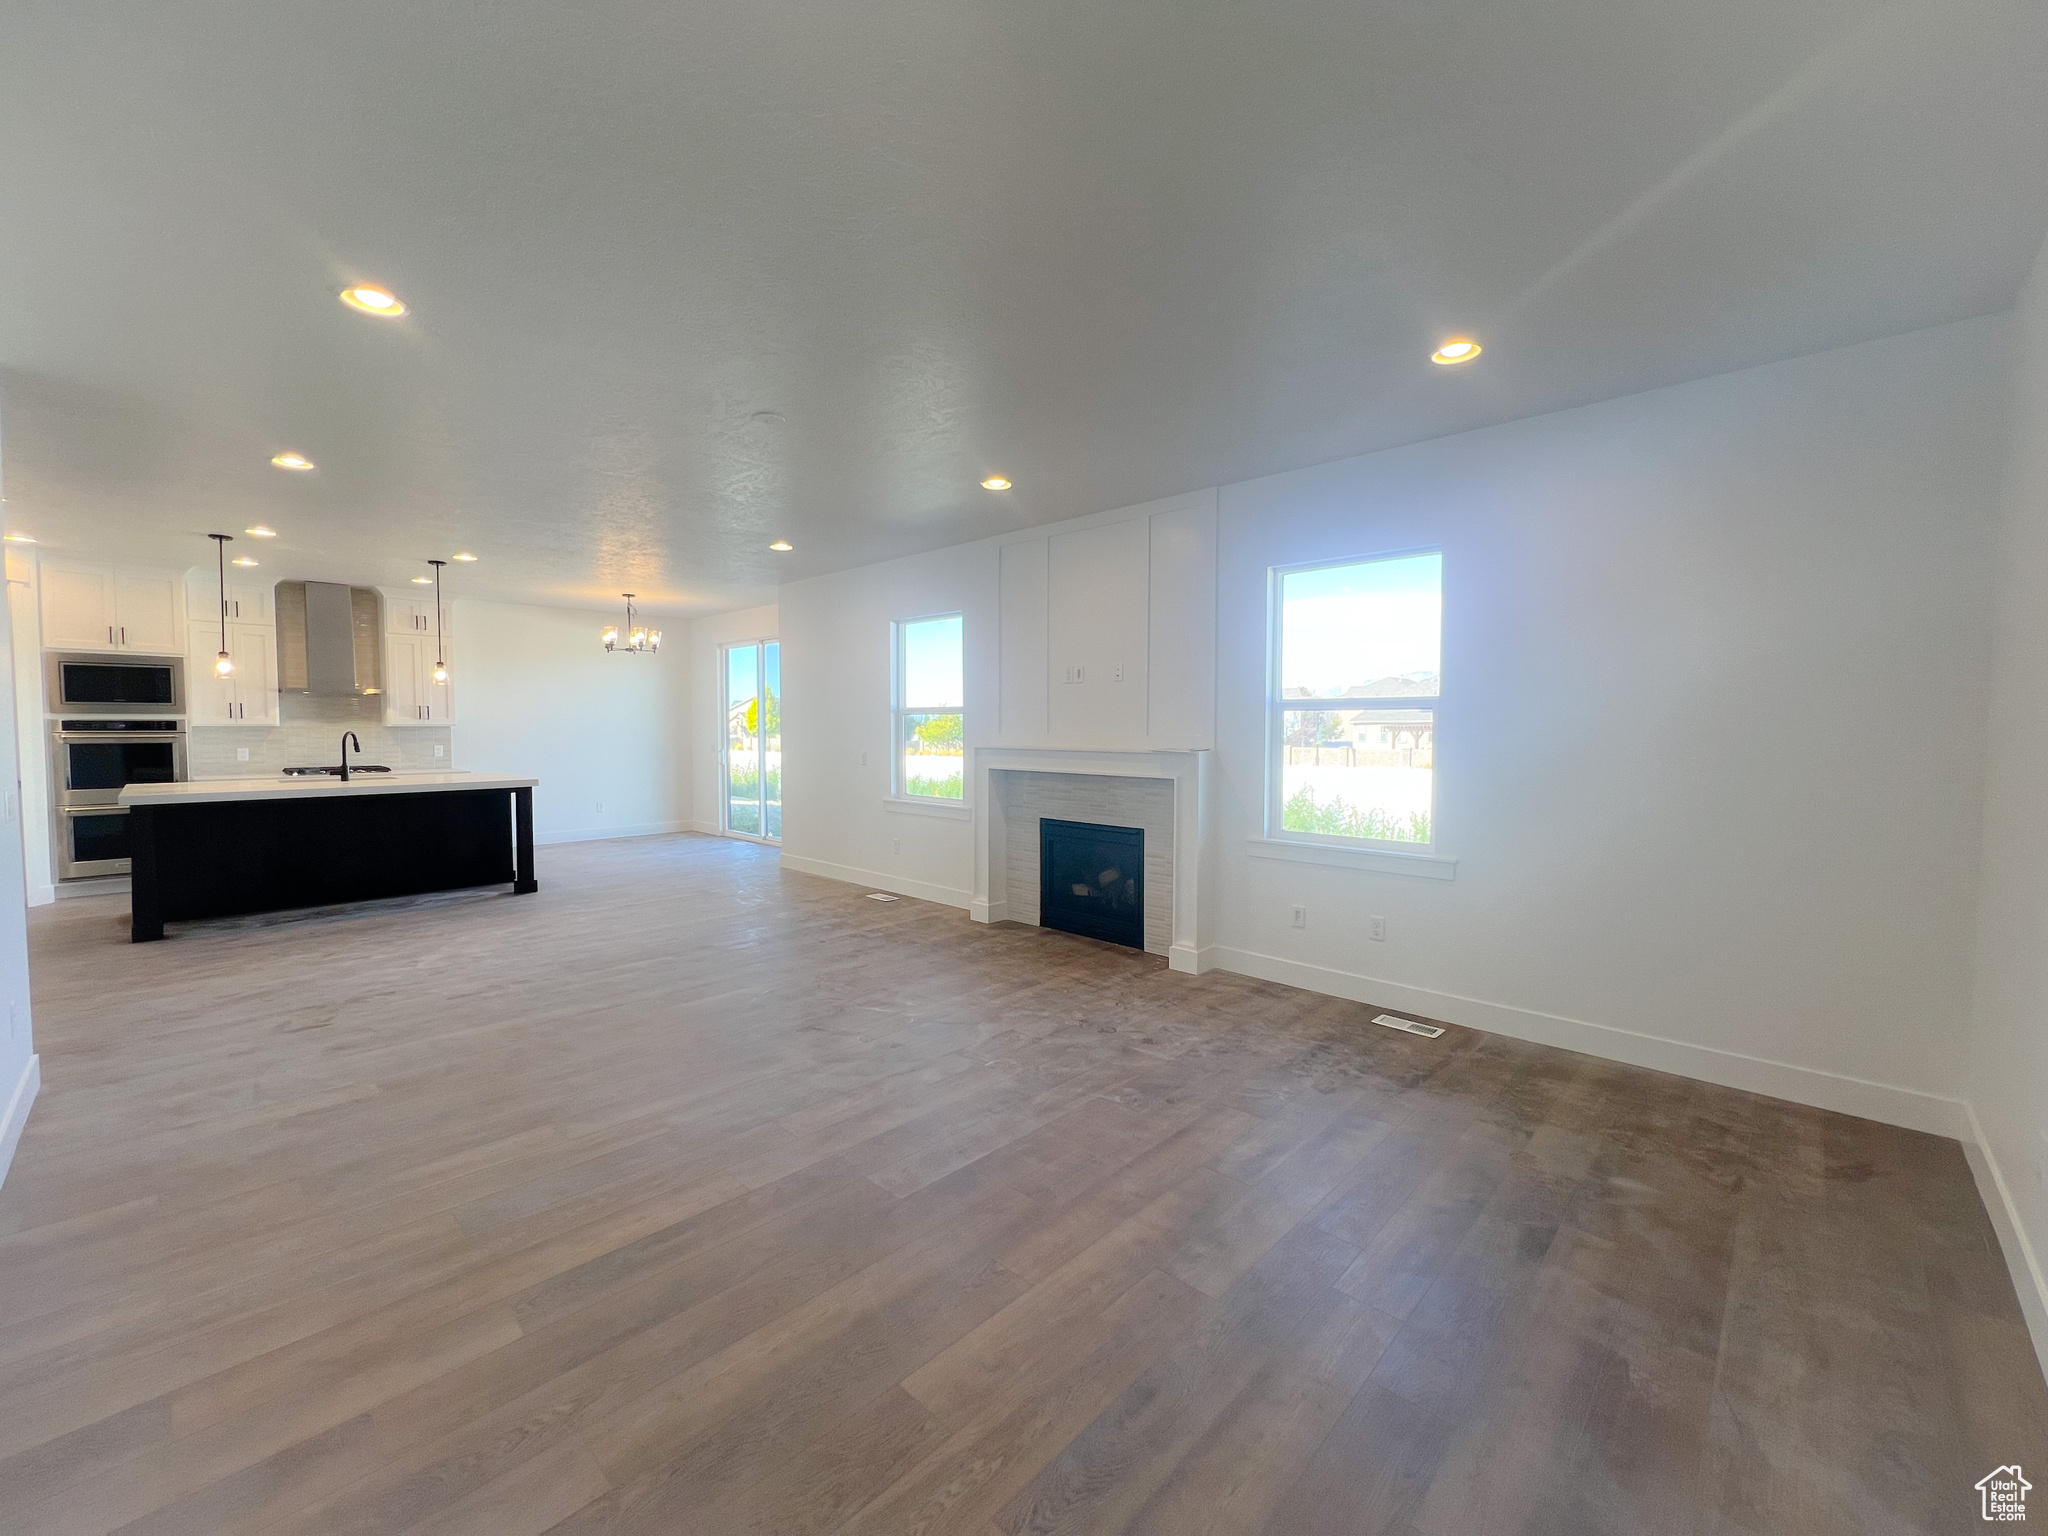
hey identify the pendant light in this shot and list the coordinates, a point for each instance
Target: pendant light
(223, 664)
(440, 649)
(637, 639)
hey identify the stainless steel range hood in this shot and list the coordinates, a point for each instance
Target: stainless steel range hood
(329, 639)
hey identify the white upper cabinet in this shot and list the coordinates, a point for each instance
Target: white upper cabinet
(411, 696)
(248, 696)
(146, 611)
(408, 614)
(249, 602)
(78, 607)
(89, 606)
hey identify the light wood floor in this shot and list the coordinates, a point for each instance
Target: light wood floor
(689, 1195)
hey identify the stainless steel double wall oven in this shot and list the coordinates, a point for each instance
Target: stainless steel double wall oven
(116, 720)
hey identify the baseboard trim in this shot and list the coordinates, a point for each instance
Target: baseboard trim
(1885, 1102)
(608, 834)
(2028, 1279)
(945, 895)
(18, 1103)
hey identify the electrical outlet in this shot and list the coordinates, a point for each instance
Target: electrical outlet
(863, 759)
(241, 754)
(1077, 674)
(1376, 930)
(1117, 675)
(895, 845)
(440, 751)
(1301, 917)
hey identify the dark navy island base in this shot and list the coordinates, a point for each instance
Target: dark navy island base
(222, 858)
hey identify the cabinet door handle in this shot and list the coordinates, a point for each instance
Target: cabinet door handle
(124, 634)
(110, 634)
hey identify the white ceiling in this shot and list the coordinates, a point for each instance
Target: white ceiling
(1111, 250)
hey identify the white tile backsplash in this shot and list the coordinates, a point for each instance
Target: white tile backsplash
(311, 734)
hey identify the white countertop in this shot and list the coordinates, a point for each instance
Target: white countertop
(277, 787)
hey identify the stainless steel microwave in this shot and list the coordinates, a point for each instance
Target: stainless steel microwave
(81, 682)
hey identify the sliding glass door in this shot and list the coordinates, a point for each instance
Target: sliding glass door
(753, 740)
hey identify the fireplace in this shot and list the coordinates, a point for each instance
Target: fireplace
(1091, 880)
(1165, 794)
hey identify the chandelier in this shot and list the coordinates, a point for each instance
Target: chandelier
(636, 638)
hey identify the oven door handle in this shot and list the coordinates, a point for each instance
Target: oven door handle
(119, 736)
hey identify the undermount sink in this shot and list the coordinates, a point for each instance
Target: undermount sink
(334, 773)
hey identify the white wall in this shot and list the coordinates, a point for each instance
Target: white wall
(19, 1068)
(607, 735)
(1710, 751)
(707, 714)
(2008, 1085)
(837, 819)
(24, 606)
(1714, 663)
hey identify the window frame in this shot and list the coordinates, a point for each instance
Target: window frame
(1278, 707)
(899, 706)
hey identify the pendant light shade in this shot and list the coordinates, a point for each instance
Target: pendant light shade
(635, 639)
(223, 664)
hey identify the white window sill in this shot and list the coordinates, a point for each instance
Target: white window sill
(938, 808)
(1379, 861)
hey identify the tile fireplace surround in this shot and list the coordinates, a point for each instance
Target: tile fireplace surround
(1187, 776)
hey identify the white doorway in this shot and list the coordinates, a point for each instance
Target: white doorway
(750, 794)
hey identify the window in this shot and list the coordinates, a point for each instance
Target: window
(1358, 647)
(929, 723)
(753, 740)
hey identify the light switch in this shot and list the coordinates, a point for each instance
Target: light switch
(241, 754)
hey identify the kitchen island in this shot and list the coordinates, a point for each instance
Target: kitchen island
(222, 847)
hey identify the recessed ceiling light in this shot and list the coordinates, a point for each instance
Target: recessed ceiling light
(372, 300)
(995, 483)
(241, 560)
(20, 538)
(1458, 349)
(423, 581)
(290, 460)
(465, 558)
(260, 532)
(782, 546)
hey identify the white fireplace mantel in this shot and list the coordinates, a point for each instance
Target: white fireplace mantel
(1188, 772)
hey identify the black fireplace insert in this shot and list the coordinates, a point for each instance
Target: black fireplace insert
(1091, 880)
